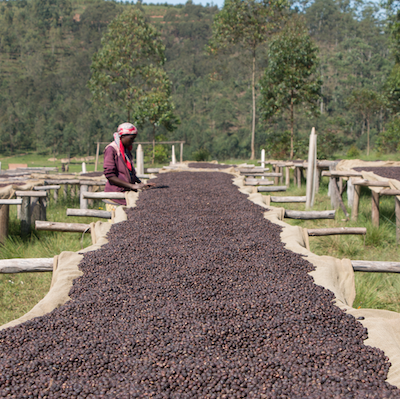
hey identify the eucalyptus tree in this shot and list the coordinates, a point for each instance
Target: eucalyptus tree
(248, 23)
(365, 102)
(290, 78)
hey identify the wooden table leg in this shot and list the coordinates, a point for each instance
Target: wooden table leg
(4, 219)
(375, 209)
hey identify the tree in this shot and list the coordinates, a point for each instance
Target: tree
(247, 23)
(156, 106)
(127, 70)
(290, 78)
(366, 102)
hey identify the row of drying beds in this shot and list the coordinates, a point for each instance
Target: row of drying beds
(32, 204)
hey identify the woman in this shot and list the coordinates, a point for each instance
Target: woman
(118, 164)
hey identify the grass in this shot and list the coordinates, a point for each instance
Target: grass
(374, 290)
(20, 292)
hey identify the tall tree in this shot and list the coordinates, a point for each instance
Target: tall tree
(248, 23)
(366, 102)
(156, 106)
(290, 78)
(128, 67)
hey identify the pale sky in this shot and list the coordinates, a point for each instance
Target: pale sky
(219, 3)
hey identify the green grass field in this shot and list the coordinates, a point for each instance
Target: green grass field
(20, 292)
(374, 290)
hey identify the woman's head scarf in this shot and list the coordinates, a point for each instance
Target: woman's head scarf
(124, 129)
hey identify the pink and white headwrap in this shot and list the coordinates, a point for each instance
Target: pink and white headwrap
(124, 129)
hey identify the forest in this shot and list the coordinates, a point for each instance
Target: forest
(46, 105)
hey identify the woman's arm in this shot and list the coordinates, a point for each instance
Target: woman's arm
(118, 182)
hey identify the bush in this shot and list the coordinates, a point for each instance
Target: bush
(328, 142)
(201, 155)
(389, 140)
(353, 152)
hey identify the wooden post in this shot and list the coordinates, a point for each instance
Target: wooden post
(340, 185)
(65, 191)
(375, 209)
(333, 192)
(38, 209)
(97, 156)
(83, 201)
(287, 199)
(139, 160)
(262, 161)
(298, 173)
(350, 193)
(73, 191)
(310, 183)
(287, 176)
(356, 203)
(181, 153)
(337, 231)
(89, 213)
(270, 189)
(382, 267)
(83, 167)
(65, 227)
(25, 216)
(19, 210)
(308, 215)
(90, 201)
(173, 157)
(336, 198)
(318, 179)
(397, 211)
(294, 176)
(43, 208)
(277, 178)
(26, 265)
(55, 195)
(4, 219)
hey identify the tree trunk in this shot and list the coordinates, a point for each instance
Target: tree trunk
(368, 135)
(154, 144)
(291, 128)
(253, 88)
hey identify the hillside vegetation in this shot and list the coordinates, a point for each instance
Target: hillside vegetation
(46, 50)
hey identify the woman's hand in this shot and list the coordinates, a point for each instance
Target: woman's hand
(141, 186)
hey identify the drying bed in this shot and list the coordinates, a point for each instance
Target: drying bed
(206, 165)
(390, 172)
(194, 296)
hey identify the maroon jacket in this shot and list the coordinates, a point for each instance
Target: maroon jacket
(114, 166)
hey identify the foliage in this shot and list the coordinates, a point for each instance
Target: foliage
(126, 71)
(328, 142)
(278, 145)
(201, 155)
(353, 152)
(389, 140)
(366, 102)
(247, 23)
(290, 78)
(45, 100)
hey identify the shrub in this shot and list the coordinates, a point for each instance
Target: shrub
(353, 152)
(201, 155)
(389, 140)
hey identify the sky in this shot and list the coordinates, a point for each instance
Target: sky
(219, 3)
